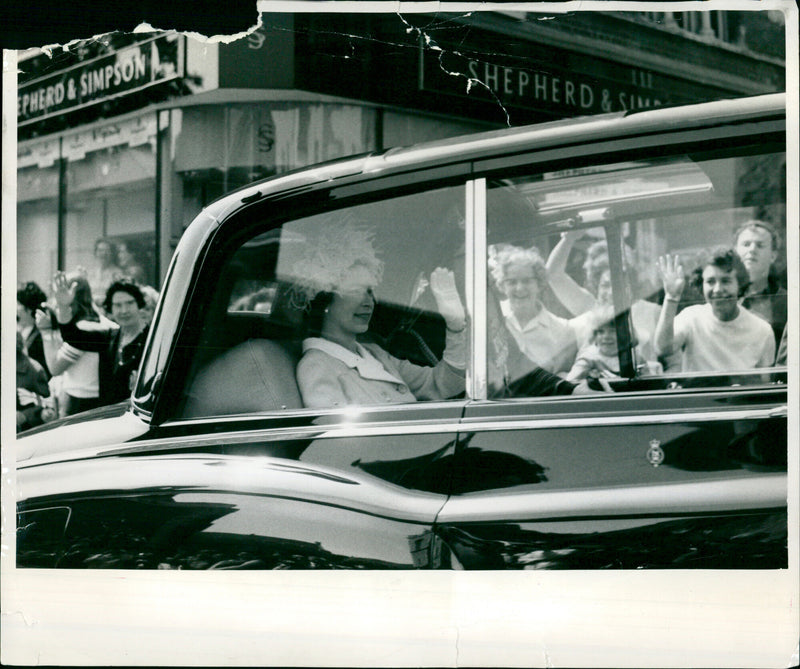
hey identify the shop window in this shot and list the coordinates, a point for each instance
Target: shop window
(107, 191)
(111, 197)
(254, 141)
(37, 223)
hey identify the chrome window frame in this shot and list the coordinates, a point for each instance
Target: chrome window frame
(476, 288)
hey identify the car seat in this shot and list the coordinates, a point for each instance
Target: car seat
(254, 376)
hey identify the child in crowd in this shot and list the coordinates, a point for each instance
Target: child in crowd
(600, 358)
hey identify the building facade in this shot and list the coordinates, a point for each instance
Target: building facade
(128, 137)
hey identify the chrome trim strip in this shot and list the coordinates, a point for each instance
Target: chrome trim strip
(665, 418)
(755, 492)
(354, 412)
(345, 430)
(266, 435)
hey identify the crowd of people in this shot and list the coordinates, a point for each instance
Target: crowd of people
(80, 348)
(740, 323)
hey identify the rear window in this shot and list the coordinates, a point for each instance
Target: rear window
(593, 243)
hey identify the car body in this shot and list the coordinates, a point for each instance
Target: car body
(216, 463)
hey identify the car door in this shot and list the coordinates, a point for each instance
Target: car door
(622, 482)
(660, 466)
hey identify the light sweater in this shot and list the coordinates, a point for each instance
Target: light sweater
(709, 344)
(81, 378)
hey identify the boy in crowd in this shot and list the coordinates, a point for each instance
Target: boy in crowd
(757, 246)
(719, 335)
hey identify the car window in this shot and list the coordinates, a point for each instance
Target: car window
(584, 264)
(338, 309)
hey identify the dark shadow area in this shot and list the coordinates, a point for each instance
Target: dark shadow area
(24, 25)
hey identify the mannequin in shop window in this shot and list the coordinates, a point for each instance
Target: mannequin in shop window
(105, 271)
(128, 261)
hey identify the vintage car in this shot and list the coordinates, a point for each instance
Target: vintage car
(217, 462)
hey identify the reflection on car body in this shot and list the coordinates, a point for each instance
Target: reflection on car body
(216, 463)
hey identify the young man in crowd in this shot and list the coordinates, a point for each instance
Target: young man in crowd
(757, 246)
(719, 335)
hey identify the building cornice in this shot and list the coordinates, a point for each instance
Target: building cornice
(549, 32)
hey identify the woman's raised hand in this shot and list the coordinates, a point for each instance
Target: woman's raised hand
(672, 276)
(63, 290)
(443, 287)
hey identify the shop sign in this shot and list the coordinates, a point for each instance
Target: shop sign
(560, 92)
(43, 153)
(154, 61)
(133, 132)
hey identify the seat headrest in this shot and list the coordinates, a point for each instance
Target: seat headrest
(254, 376)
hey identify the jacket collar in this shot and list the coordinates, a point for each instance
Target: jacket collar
(535, 322)
(367, 365)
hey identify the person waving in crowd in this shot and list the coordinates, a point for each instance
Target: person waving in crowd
(32, 387)
(582, 300)
(720, 335)
(30, 298)
(119, 345)
(77, 369)
(542, 336)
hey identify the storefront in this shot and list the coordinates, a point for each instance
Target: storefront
(97, 180)
(184, 122)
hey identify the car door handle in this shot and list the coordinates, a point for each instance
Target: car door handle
(779, 412)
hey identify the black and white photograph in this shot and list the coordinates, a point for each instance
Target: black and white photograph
(403, 334)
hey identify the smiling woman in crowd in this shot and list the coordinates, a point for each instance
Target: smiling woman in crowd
(119, 345)
(720, 335)
(543, 337)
